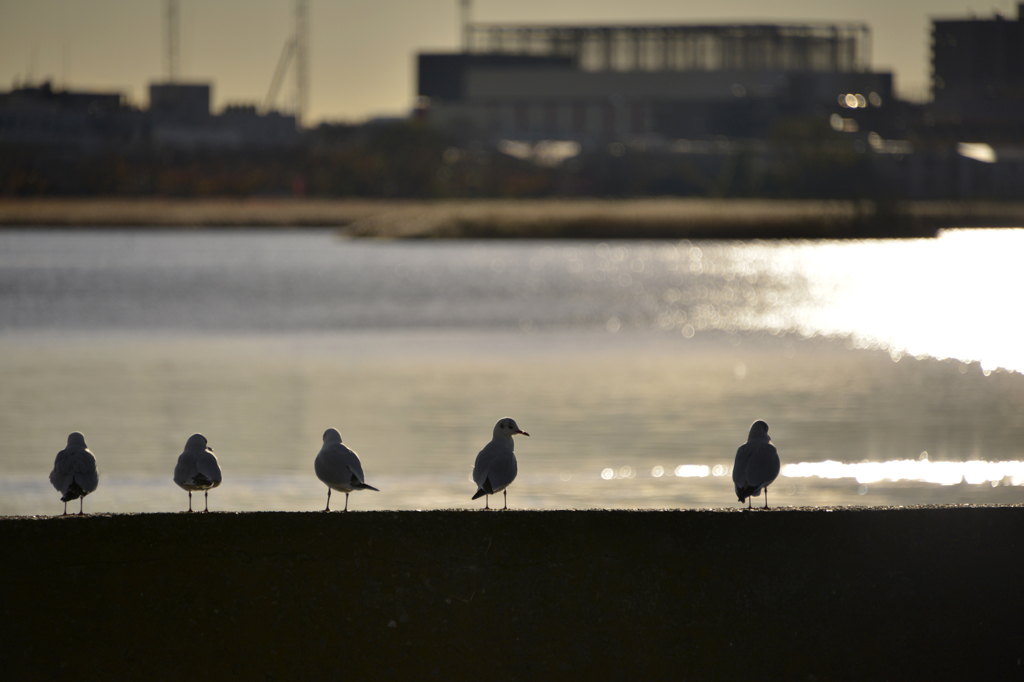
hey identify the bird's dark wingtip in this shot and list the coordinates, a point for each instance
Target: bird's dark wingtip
(746, 492)
(74, 492)
(479, 494)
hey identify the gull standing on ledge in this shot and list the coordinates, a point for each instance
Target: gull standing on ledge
(757, 465)
(496, 467)
(74, 472)
(339, 467)
(197, 468)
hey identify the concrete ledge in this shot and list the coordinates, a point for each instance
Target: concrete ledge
(916, 593)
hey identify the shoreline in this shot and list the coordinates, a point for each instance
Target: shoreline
(654, 218)
(829, 593)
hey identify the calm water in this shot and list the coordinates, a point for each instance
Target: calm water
(888, 371)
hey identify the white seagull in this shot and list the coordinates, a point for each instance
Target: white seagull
(74, 472)
(197, 468)
(339, 467)
(757, 464)
(496, 467)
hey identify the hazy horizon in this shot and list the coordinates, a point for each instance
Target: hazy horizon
(362, 54)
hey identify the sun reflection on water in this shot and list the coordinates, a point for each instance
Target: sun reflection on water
(954, 296)
(877, 294)
(973, 472)
(692, 471)
(941, 473)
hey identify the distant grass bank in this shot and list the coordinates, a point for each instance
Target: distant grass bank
(527, 218)
(923, 593)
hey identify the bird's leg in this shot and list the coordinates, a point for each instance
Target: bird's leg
(65, 509)
(486, 500)
(81, 501)
(346, 501)
(505, 493)
(749, 506)
(189, 501)
(766, 497)
(328, 500)
(206, 499)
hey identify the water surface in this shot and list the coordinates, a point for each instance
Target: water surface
(636, 366)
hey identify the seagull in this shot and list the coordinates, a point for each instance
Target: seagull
(197, 468)
(339, 467)
(496, 467)
(74, 472)
(757, 464)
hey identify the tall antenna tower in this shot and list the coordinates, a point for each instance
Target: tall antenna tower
(301, 60)
(297, 48)
(171, 20)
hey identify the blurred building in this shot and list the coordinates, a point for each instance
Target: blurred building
(41, 116)
(180, 119)
(971, 136)
(978, 76)
(180, 101)
(600, 83)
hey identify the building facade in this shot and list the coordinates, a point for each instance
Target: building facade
(978, 75)
(605, 83)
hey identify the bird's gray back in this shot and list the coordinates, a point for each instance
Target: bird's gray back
(739, 467)
(184, 469)
(76, 465)
(335, 465)
(192, 463)
(496, 462)
(763, 466)
(209, 467)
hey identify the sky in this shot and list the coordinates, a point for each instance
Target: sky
(362, 52)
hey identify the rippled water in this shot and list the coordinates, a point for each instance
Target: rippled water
(883, 367)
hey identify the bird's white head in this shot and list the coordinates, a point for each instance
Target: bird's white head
(76, 440)
(508, 427)
(196, 441)
(332, 436)
(758, 429)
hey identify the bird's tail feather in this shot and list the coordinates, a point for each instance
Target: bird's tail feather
(747, 491)
(485, 488)
(74, 492)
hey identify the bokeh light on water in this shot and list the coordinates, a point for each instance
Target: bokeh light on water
(636, 366)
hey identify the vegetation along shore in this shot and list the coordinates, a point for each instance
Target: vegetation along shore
(662, 218)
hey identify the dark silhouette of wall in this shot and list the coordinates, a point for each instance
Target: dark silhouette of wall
(811, 594)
